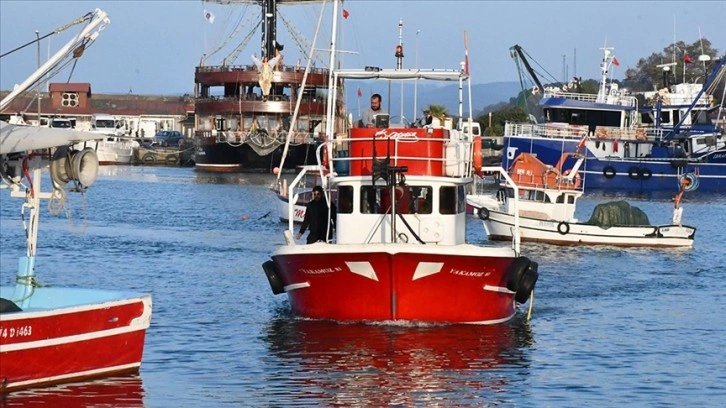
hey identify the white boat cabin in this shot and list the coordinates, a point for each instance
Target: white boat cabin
(428, 210)
(540, 203)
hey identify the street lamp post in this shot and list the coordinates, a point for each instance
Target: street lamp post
(415, 82)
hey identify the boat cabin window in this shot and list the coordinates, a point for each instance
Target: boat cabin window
(452, 200)
(345, 199)
(569, 198)
(700, 117)
(536, 195)
(676, 116)
(409, 199)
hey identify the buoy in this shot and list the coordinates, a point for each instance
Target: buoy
(276, 170)
(244, 217)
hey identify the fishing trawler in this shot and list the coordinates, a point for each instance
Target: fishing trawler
(629, 146)
(397, 249)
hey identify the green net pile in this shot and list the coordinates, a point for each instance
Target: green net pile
(618, 213)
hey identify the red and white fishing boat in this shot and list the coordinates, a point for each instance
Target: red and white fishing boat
(403, 255)
(51, 335)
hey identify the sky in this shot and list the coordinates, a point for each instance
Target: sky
(152, 47)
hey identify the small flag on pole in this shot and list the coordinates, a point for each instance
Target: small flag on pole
(360, 93)
(616, 62)
(209, 16)
(345, 13)
(687, 59)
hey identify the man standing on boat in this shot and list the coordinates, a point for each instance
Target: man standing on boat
(316, 218)
(369, 115)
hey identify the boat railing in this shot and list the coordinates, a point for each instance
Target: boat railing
(554, 129)
(293, 191)
(254, 97)
(516, 235)
(623, 100)
(252, 68)
(564, 130)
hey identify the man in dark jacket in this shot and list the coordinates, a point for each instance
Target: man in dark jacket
(316, 217)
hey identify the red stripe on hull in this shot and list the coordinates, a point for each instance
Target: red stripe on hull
(73, 361)
(446, 288)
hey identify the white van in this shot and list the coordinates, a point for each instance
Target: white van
(104, 123)
(61, 123)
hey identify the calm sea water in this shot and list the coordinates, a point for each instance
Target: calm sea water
(609, 327)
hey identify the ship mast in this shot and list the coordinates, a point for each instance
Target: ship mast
(269, 27)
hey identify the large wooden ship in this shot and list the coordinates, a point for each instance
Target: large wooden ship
(244, 111)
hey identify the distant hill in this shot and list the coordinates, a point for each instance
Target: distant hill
(483, 95)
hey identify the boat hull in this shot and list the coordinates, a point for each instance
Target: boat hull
(56, 343)
(499, 226)
(390, 282)
(225, 157)
(110, 152)
(298, 212)
(623, 174)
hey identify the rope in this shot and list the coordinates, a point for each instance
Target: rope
(56, 31)
(56, 201)
(28, 280)
(531, 302)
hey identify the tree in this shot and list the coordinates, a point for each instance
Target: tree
(500, 117)
(649, 74)
(438, 111)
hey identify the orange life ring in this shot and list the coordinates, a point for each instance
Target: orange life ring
(477, 154)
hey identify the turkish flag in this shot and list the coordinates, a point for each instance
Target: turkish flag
(687, 59)
(616, 62)
(345, 13)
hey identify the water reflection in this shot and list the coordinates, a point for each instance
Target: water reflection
(117, 392)
(244, 179)
(394, 364)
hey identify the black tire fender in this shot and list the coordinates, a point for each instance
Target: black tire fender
(516, 270)
(609, 172)
(527, 282)
(563, 227)
(645, 173)
(149, 158)
(634, 173)
(484, 213)
(273, 277)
